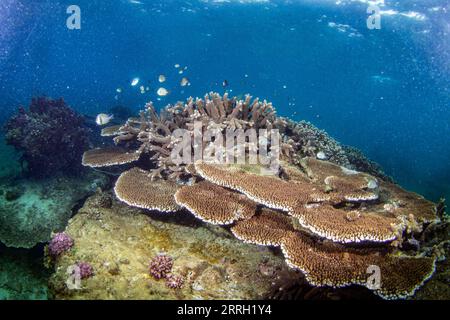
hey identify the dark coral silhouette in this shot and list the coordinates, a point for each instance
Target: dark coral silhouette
(50, 136)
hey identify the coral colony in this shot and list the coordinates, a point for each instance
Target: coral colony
(334, 215)
(86, 270)
(50, 136)
(161, 268)
(60, 243)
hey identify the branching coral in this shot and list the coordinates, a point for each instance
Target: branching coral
(151, 133)
(50, 135)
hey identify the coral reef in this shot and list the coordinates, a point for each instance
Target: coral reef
(309, 141)
(331, 222)
(360, 162)
(150, 136)
(161, 268)
(41, 207)
(151, 133)
(50, 136)
(120, 241)
(22, 276)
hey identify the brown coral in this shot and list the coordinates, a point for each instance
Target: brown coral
(324, 199)
(152, 132)
(324, 213)
(109, 156)
(135, 188)
(352, 185)
(267, 190)
(267, 228)
(347, 225)
(333, 264)
(214, 204)
(111, 131)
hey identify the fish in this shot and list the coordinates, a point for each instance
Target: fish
(176, 66)
(134, 82)
(382, 79)
(181, 71)
(119, 90)
(103, 118)
(185, 82)
(225, 83)
(162, 78)
(162, 92)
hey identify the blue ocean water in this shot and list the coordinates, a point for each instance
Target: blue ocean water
(383, 91)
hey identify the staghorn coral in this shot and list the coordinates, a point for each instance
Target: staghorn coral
(214, 204)
(151, 133)
(50, 136)
(135, 188)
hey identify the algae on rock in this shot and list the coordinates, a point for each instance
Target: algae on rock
(120, 241)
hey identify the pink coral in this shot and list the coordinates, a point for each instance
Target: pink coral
(61, 242)
(86, 270)
(174, 281)
(160, 266)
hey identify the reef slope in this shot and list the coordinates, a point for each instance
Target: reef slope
(119, 242)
